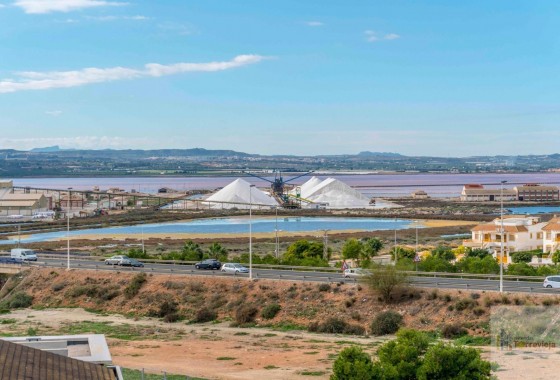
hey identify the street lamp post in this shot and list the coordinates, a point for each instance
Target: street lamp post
(67, 241)
(325, 244)
(276, 241)
(416, 253)
(502, 236)
(395, 245)
(251, 232)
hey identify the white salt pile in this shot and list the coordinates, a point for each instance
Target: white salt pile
(239, 194)
(335, 194)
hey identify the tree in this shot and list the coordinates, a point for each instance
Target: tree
(443, 252)
(352, 363)
(191, 251)
(478, 252)
(485, 265)
(217, 251)
(521, 269)
(556, 257)
(522, 257)
(436, 264)
(305, 253)
(404, 253)
(372, 246)
(401, 358)
(386, 280)
(352, 249)
(447, 361)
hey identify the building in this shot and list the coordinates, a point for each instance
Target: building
(419, 194)
(520, 234)
(6, 187)
(23, 204)
(537, 193)
(551, 236)
(57, 358)
(477, 193)
(72, 201)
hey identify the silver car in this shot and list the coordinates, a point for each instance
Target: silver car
(552, 282)
(356, 272)
(117, 260)
(234, 268)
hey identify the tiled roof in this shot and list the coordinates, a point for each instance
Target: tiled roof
(492, 227)
(18, 362)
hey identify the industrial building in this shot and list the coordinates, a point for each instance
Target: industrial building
(537, 193)
(477, 193)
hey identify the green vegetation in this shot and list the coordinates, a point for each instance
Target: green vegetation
(135, 284)
(386, 322)
(411, 356)
(122, 331)
(386, 280)
(18, 300)
(133, 374)
(336, 326)
(270, 311)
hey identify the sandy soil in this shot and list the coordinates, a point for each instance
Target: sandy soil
(212, 351)
(217, 351)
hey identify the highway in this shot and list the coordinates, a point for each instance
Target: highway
(295, 275)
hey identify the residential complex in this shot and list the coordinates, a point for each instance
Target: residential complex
(519, 234)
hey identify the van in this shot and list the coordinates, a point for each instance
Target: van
(23, 254)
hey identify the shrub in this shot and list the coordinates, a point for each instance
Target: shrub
(386, 280)
(270, 311)
(20, 300)
(453, 330)
(352, 363)
(478, 311)
(245, 314)
(324, 287)
(432, 295)
(522, 257)
(446, 361)
(58, 286)
(205, 315)
(135, 284)
(465, 303)
(336, 326)
(387, 322)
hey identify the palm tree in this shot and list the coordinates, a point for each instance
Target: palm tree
(217, 251)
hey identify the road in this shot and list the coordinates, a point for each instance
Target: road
(294, 275)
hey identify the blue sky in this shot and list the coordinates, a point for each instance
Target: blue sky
(441, 78)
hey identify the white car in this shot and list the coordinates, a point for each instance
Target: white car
(552, 282)
(234, 268)
(117, 260)
(356, 272)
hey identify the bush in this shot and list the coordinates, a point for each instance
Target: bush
(205, 315)
(465, 303)
(522, 257)
(352, 363)
(386, 280)
(270, 311)
(245, 314)
(135, 284)
(387, 322)
(336, 326)
(20, 300)
(453, 330)
(446, 361)
(324, 287)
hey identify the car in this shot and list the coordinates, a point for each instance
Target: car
(552, 282)
(356, 272)
(234, 268)
(208, 264)
(117, 260)
(130, 262)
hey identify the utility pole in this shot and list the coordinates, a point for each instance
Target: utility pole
(502, 237)
(251, 232)
(325, 244)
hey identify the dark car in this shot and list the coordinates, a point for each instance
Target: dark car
(132, 263)
(208, 264)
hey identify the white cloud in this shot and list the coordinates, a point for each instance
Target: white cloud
(54, 113)
(372, 36)
(75, 142)
(33, 80)
(175, 28)
(48, 6)
(114, 18)
(314, 23)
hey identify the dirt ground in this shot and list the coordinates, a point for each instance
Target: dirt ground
(217, 351)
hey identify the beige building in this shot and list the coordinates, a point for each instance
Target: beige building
(419, 194)
(74, 201)
(23, 204)
(477, 193)
(519, 234)
(551, 236)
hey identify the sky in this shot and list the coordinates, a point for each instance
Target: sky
(437, 78)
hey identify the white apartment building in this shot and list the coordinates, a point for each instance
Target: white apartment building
(551, 236)
(520, 234)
